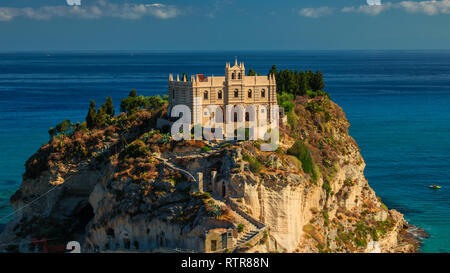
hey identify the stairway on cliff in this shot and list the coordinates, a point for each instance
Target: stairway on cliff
(250, 229)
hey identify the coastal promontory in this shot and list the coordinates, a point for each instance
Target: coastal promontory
(117, 183)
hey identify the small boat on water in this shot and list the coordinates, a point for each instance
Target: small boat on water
(436, 187)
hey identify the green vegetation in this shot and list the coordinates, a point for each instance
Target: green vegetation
(241, 228)
(206, 149)
(286, 100)
(360, 235)
(382, 227)
(349, 182)
(300, 150)
(326, 218)
(203, 195)
(134, 103)
(214, 211)
(90, 118)
(327, 187)
(135, 149)
(298, 83)
(109, 107)
(252, 72)
(165, 138)
(102, 117)
(63, 128)
(255, 165)
(308, 228)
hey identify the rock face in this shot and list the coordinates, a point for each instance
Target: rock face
(128, 187)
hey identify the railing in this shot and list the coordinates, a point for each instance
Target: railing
(184, 250)
(170, 165)
(245, 215)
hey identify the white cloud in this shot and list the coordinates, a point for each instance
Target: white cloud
(73, 2)
(375, 7)
(427, 7)
(99, 9)
(373, 2)
(316, 12)
(6, 14)
(368, 9)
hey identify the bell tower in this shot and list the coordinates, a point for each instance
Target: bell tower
(235, 72)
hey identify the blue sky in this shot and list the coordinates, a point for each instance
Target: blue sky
(223, 24)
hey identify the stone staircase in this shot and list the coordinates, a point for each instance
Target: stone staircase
(249, 231)
(242, 240)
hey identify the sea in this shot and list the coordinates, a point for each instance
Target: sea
(397, 102)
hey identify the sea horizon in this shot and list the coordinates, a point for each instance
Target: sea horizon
(217, 50)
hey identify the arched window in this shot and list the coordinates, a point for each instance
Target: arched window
(263, 93)
(233, 76)
(173, 93)
(247, 116)
(249, 93)
(239, 76)
(235, 117)
(205, 95)
(236, 93)
(219, 95)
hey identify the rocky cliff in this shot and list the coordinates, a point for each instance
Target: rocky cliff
(129, 187)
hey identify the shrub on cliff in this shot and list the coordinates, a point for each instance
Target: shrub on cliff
(102, 117)
(241, 228)
(136, 149)
(134, 103)
(255, 165)
(63, 128)
(300, 150)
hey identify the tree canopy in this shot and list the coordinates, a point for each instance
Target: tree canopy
(134, 103)
(252, 72)
(63, 128)
(103, 116)
(297, 82)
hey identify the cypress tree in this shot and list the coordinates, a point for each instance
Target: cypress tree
(101, 118)
(251, 72)
(109, 107)
(90, 118)
(303, 82)
(273, 70)
(317, 82)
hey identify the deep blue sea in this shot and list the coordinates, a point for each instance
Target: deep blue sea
(398, 104)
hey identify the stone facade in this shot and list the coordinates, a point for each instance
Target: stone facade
(235, 88)
(218, 239)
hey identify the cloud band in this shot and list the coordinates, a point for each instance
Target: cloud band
(421, 7)
(99, 9)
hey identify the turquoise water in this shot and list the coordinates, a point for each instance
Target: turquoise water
(397, 103)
